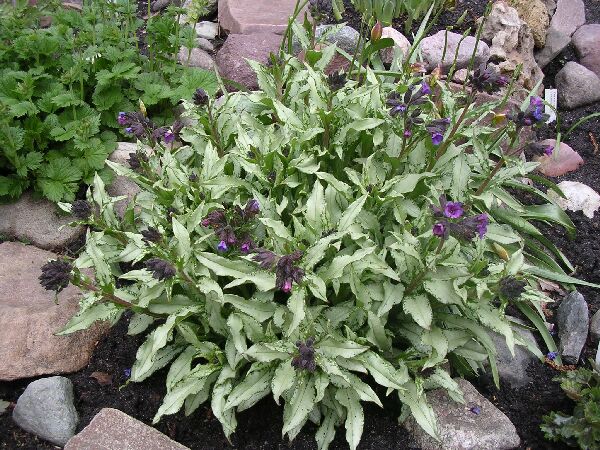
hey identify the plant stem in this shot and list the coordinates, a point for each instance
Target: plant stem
(497, 167)
(415, 282)
(444, 147)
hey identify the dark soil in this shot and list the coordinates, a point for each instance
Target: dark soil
(260, 427)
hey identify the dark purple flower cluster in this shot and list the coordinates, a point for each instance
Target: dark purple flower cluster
(305, 359)
(414, 96)
(336, 80)
(136, 159)
(231, 226)
(511, 287)
(141, 127)
(533, 115)
(454, 223)
(161, 269)
(286, 270)
(81, 209)
(541, 149)
(437, 129)
(200, 97)
(151, 235)
(486, 79)
(56, 275)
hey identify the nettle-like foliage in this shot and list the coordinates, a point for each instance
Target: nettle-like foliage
(62, 86)
(326, 239)
(582, 428)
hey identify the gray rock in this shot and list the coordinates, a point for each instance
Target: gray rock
(112, 429)
(122, 185)
(595, 327)
(569, 15)
(556, 42)
(432, 49)
(400, 43)
(207, 30)
(512, 44)
(30, 319)
(158, 5)
(461, 429)
(573, 323)
(577, 86)
(514, 369)
(587, 44)
(39, 222)
(345, 39)
(196, 58)
(231, 58)
(551, 6)
(535, 14)
(46, 409)
(205, 44)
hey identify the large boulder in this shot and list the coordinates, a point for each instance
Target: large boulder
(46, 409)
(568, 17)
(432, 49)
(196, 57)
(231, 59)
(256, 16)
(39, 222)
(29, 319)
(476, 425)
(512, 44)
(400, 43)
(587, 44)
(577, 86)
(595, 327)
(112, 429)
(573, 324)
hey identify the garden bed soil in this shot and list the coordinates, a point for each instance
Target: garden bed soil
(260, 427)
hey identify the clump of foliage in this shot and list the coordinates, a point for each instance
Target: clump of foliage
(327, 239)
(581, 428)
(62, 86)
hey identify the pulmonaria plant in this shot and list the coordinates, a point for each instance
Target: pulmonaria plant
(289, 247)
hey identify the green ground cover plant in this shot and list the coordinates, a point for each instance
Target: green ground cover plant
(582, 428)
(327, 239)
(62, 86)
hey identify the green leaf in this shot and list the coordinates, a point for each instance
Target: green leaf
(241, 271)
(261, 311)
(261, 353)
(351, 213)
(278, 228)
(555, 276)
(300, 404)
(253, 387)
(284, 378)
(83, 320)
(383, 372)
(333, 348)
(419, 308)
(182, 237)
(354, 415)
(296, 307)
(421, 411)
(326, 432)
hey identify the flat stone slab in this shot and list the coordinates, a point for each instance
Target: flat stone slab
(112, 429)
(231, 59)
(563, 160)
(122, 185)
(256, 16)
(460, 428)
(39, 222)
(29, 317)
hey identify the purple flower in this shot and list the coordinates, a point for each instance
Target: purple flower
(475, 409)
(549, 150)
(56, 275)
(437, 138)
(287, 272)
(251, 209)
(425, 88)
(486, 79)
(536, 102)
(482, 224)
(222, 247)
(439, 230)
(287, 286)
(266, 259)
(551, 356)
(129, 130)
(407, 133)
(127, 373)
(122, 118)
(453, 210)
(169, 137)
(161, 269)
(245, 247)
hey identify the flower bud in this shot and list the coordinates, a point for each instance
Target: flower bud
(376, 31)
